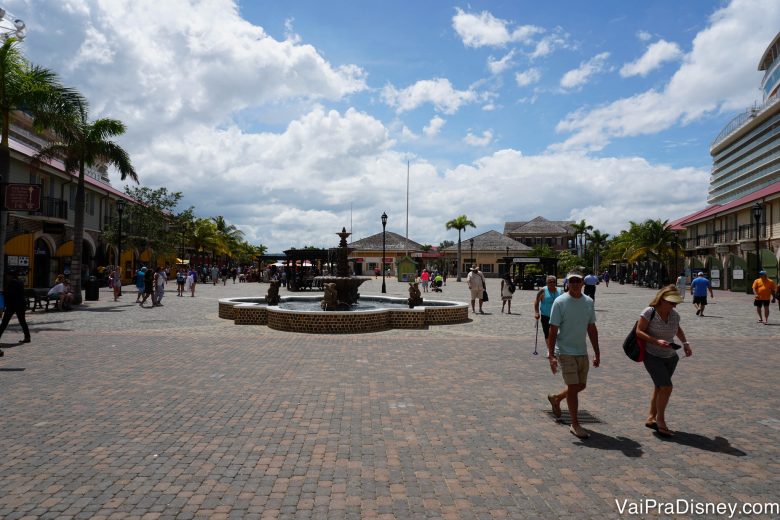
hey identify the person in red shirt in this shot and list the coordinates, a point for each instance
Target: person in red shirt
(763, 288)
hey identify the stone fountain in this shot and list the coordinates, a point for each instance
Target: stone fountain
(341, 291)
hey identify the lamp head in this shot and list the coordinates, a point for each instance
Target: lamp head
(757, 209)
(120, 206)
(384, 219)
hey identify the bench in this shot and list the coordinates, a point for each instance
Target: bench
(35, 298)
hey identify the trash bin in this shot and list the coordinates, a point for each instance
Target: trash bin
(91, 289)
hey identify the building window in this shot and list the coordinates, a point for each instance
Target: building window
(72, 197)
(486, 268)
(90, 203)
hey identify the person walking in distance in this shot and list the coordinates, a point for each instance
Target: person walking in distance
(15, 303)
(680, 284)
(764, 289)
(571, 320)
(699, 287)
(476, 283)
(590, 282)
(507, 289)
(544, 301)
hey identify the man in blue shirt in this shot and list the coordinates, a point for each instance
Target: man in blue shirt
(699, 287)
(591, 280)
(571, 318)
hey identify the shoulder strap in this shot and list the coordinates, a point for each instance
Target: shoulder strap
(652, 314)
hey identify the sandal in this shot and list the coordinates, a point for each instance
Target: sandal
(665, 432)
(652, 425)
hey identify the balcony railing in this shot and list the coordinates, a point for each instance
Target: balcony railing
(54, 208)
(725, 236)
(748, 231)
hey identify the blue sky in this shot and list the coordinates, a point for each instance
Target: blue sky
(285, 117)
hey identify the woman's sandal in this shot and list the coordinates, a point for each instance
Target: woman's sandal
(652, 425)
(665, 432)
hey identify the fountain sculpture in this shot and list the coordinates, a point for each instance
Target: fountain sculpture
(339, 311)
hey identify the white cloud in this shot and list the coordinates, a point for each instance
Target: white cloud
(476, 140)
(528, 77)
(643, 36)
(580, 76)
(438, 91)
(656, 55)
(484, 29)
(434, 126)
(408, 135)
(718, 74)
(168, 71)
(497, 66)
(551, 42)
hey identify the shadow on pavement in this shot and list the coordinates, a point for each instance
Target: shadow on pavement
(12, 369)
(629, 447)
(694, 440)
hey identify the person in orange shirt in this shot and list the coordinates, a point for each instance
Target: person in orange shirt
(763, 288)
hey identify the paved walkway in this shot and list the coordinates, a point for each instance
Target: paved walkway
(115, 411)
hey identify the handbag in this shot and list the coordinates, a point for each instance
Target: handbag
(485, 296)
(633, 346)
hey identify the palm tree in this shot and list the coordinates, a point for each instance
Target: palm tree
(652, 239)
(84, 144)
(599, 241)
(29, 87)
(203, 235)
(582, 229)
(229, 235)
(460, 223)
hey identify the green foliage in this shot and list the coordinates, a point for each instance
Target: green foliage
(426, 247)
(460, 223)
(567, 262)
(544, 250)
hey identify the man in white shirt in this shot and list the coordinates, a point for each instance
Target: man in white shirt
(476, 284)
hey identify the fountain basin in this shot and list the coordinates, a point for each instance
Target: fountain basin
(379, 313)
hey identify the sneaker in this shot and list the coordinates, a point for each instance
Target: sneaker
(579, 432)
(25, 340)
(556, 406)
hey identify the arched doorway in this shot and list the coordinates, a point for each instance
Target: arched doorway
(41, 264)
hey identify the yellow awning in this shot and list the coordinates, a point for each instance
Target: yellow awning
(19, 246)
(180, 261)
(146, 256)
(65, 249)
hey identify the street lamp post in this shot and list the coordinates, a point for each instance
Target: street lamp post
(120, 209)
(10, 27)
(471, 256)
(757, 210)
(384, 225)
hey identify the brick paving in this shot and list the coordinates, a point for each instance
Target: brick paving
(114, 411)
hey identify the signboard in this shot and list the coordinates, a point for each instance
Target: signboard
(714, 273)
(18, 261)
(520, 260)
(23, 197)
(715, 283)
(739, 274)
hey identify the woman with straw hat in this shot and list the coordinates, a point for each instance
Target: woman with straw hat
(658, 324)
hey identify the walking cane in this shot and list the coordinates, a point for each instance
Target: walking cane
(536, 341)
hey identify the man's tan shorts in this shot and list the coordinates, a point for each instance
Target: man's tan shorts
(574, 369)
(476, 294)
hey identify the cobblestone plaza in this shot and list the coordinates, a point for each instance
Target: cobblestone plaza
(116, 411)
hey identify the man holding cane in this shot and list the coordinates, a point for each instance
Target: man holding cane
(572, 318)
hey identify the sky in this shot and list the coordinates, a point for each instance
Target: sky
(294, 119)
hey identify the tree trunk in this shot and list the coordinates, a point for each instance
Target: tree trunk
(78, 238)
(457, 268)
(5, 173)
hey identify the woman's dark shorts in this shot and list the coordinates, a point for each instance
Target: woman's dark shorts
(660, 369)
(761, 303)
(546, 326)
